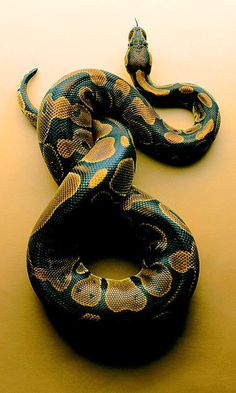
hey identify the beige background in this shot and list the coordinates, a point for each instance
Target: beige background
(191, 41)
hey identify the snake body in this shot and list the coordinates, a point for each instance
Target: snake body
(88, 125)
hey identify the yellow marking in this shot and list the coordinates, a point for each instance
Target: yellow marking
(137, 197)
(61, 108)
(122, 86)
(205, 99)
(82, 141)
(157, 282)
(140, 76)
(209, 127)
(173, 217)
(87, 292)
(122, 295)
(98, 77)
(131, 34)
(102, 150)
(173, 137)
(186, 89)
(124, 141)
(83, 118)
(138, 107)
(82, 95)
(91, 317)
(127, 58)
(134, 197)
(123, 176)
(150, 59)
(67, 189)
(82, 168)
(181, 261)
(192, 129)
(21, 101)
(30, 116)
(98, 177)
(59, 276)
(65, 148)
(101, 129)
(54, 279)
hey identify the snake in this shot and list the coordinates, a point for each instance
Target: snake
(89, 125)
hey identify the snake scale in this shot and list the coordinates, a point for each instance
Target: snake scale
(88, 124)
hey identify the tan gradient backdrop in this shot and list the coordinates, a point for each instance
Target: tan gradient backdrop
(192, 42)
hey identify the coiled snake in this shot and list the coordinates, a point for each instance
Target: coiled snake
(86, 125)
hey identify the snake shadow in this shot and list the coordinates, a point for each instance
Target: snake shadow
(121, 345)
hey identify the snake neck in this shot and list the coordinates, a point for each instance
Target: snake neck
(157, 96)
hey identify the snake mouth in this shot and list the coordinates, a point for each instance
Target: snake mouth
(138, 47)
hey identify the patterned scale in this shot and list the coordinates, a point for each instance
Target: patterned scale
(88, 125)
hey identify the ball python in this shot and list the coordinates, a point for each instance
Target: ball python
(88, 124)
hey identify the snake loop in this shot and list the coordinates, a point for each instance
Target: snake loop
(88, 125)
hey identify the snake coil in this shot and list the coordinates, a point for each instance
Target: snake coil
(88, 125)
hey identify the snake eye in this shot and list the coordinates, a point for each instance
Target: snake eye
(143, 32)
(131, 34)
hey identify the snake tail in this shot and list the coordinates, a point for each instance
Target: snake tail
(26, 106)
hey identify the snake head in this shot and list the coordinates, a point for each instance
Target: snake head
(138, 56)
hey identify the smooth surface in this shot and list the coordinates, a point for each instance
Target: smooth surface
(192, 42)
